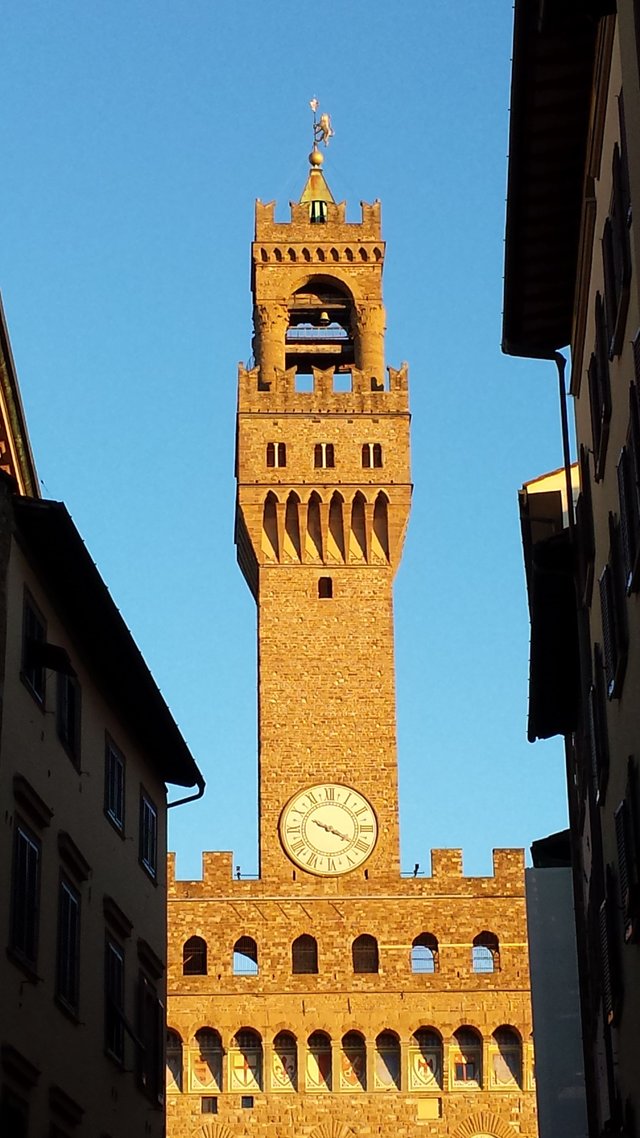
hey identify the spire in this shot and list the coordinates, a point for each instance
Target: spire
(316, 191)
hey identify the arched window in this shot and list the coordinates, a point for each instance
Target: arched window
(466, 1058)
(424, 953)
(304, 955)
(353, 1066)
(206, 1061)
(425, 1060)
(284, 1066)
(194, 957)
(485, 954)
(387, 1064)
(245, 1061)
(245, 957)
(505, 1058)
(318, 1068)
(364, 951)
(174, 1061)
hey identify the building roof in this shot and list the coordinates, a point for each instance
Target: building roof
(49, 538)
(552, 76)
(16, 457)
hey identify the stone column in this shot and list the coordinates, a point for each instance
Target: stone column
(271, 321)
(370, 324)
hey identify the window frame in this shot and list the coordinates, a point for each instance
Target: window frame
(115, 816)
(68, 714)
(33, 675)
(150, 1043)
(25, 896)
(114, 989)
(68, 948)
(148, 835)
(324, 457)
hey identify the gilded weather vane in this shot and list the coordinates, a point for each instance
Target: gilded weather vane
(322, 130)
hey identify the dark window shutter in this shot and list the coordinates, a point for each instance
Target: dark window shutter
(584, 524)
(607, 604)
(621, 818)
(271, 455)
(598, 737)
(605, 963)
(628, 516)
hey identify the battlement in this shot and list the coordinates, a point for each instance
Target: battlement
(368, 394)
(447, 877)
(301, 228)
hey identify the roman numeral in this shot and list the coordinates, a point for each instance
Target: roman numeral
(363, 846)
(312, 798)
(331, 864)
(298, 847)
(362, 810)
(366, 829)
(295, 829)
(329, 793)
(312, 860)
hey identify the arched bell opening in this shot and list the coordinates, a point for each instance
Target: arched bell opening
(320, 331)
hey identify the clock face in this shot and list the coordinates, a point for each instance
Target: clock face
(328, 829)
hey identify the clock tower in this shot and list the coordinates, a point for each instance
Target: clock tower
(334, 996)
(323, 501)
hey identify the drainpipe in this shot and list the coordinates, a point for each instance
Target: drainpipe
(190, 797)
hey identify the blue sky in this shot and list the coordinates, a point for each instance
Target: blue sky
(135, 138)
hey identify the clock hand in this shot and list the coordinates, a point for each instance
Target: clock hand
(330, 830)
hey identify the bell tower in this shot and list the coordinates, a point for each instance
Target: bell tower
(322, 506)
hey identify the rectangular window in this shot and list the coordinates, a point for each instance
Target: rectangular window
(150, 1040)
(465, 1073)
(114, 1000)
(323, 456)
(246, 1102)
(34, 637)
(68, 714)
(114, 784)
(68, 955)
(276, 454)
(209, 1104)
(25, 894)
(148, 853)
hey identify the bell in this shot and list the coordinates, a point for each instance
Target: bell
(324, 318)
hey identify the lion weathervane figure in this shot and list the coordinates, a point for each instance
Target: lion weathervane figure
(322, 129)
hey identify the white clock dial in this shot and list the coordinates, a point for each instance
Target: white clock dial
(328, 829)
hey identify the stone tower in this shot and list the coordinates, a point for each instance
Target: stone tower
(333, 996)
(323, 501)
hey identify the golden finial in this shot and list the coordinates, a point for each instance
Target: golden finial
(322, 132)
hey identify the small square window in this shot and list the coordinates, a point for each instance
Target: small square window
(209, 1104)
(246, 1102)
(148, 835)
(34, 637)
(114, 785)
